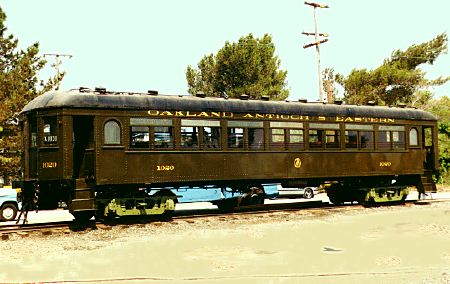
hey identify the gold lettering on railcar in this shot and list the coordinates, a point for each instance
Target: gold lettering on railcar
(165, 167)
(257, 116)
(297, 163)
(385, 164)
(364, 119)
(49, 165)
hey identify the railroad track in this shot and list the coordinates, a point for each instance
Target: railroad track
(185, 215)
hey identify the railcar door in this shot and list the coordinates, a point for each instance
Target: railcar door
(428, 144)
(83, 147)
(32, 148)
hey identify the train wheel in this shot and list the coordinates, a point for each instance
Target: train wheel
(335, 198)
(227, 205)
(167, 215)
(100, 212)
(8, 212)
(83, 216)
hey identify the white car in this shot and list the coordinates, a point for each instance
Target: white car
(305, 192)
(8, 204)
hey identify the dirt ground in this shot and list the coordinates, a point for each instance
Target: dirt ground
(396, 244)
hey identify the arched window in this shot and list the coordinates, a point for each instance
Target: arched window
(413, 137)
(112, 133)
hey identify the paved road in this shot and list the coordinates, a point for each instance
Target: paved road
(387, 244)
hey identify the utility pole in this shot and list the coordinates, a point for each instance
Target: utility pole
(58, 61)
(317, 43)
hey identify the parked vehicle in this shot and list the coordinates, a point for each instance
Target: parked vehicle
(305, 192)
(8, 204)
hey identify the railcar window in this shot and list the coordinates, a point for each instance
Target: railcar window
(324, 134)
(427, 137)
(355, 139)
(153, 133)
(384, 139)
(255, 138)
(315, 138)
(163, 137)
(398, 139)
(197, 133)
(50, 130)
(235, 137)
(140, 137)
(391, 137)
(359, 136)
(189, 136)
(366, 139)
(33, 129)
(277, 138)
(211, 137)
(331, 138)
(351, 139)
(139, 121)
(112, 133)
(296, 139)
(284, 133)
(413, 137)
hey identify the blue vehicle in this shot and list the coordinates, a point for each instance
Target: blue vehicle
(215, 194)
(8, 204)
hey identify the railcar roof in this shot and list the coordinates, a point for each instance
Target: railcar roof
(139, 101)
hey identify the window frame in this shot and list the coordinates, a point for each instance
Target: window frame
(321, 129)
(391, 129)
(416, 129)
(359, 129)
(119, 135)
(153, 124)
(49, 122)
(277, 145)
(200, 125)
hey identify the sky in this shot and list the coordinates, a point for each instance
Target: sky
(140, 45)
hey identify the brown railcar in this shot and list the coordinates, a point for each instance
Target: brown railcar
(101, 151)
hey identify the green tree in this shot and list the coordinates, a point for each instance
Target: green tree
(249, 66)
(18, 85)
(441, 108)
(398, 78)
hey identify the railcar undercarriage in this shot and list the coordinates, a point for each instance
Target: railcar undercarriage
(371, 190)
(106, 202)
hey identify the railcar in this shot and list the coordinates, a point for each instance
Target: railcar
(115, 153)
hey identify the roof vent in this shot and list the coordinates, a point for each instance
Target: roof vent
(338, 102)
(200, 95)
(152, 92)
(402, 105)
(302, 100)
(265, 98)
(84, 89)
(244, 97)
(100, 90)
(371, 103)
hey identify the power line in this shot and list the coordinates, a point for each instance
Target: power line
(58, 61)
(317, 42)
